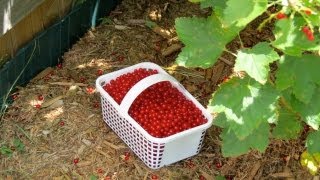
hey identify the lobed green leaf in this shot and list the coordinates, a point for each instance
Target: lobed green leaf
(205, 40)
(242, 13)
(312, 143)
(245, 103)
(288, 125)
(256, 61)
(300, 73)
(310, 112)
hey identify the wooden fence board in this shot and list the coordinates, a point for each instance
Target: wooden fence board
(33, 22)
(15, 11)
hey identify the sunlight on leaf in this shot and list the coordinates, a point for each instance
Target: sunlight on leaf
(245, 103)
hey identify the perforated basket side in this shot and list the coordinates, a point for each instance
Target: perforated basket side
(201, 141)
(149, 152)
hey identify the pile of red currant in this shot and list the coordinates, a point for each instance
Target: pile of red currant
(162, 110)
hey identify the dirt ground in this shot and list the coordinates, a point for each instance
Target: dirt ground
(68, 126)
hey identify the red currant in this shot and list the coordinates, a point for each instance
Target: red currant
(99, 72)
(90, 90)
(154, 177)
(38, 106)
(305, 29)
(15, 96)
(75, 161)
(61, 123)
(96, 105)
(281, 15)
(107, 178)
(201, 177)
(40, 97)
(59, 66)
(309, 34)
(218, 165)
(308, 12)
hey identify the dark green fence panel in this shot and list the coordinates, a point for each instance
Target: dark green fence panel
(49, 45)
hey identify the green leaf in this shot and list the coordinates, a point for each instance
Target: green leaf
(219, 177)
(256, 61)
(245, 103)
(288, 125)
(4, 150)
(207, 3)
(221, 121)
(205, 40)
(242, 13)
(302, 74)
(310, 112)
(233, 146)
(313, 145)
(290, 39)
(18, 144)
(93, 177)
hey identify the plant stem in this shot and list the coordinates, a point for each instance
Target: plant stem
(226, 50)
(241, 43)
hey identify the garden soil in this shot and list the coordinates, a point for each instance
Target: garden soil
(44, 142)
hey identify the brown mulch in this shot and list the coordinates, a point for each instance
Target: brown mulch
(69, 123)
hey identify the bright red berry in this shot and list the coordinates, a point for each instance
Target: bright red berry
(15, 96)
(305, 29)
(40, 97)
(310, 37)
(308, 12)
(126, 158)
(107, 178)
(90, 90)
(38, 106)
(61, 123)
(75, 161)
(218, 165)
(99, 72)
(281, 15)
(96, 105)
(154, 177)
(59, 65)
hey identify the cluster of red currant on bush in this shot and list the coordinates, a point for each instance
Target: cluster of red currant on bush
(309, 34)
(162, 110)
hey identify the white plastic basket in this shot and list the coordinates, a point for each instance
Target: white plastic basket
(154, 152)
